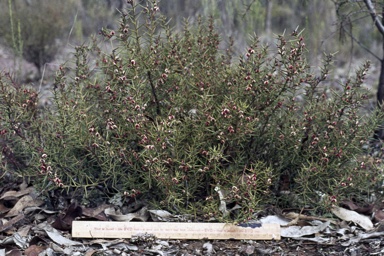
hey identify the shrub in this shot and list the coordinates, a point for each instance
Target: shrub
(38, 27)
(172, 117)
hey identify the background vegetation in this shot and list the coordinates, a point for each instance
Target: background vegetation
(77, 20)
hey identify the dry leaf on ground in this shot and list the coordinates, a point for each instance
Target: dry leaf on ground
(296, 231)
(25, 201)
(141, 215)
(348, 215)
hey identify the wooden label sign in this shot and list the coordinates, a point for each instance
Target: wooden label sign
(174, 230)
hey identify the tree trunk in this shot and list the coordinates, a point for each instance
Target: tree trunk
(268, 17)
(380, 88)
(379, 133)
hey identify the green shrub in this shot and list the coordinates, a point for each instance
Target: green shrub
(172, 117)
(19, 125)
(37, 26)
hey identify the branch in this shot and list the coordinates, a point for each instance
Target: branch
(248, 8)
(362, 45)
(374, 16)
(154, 93)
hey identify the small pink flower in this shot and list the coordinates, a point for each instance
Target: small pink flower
(225, 112)
(231, 129)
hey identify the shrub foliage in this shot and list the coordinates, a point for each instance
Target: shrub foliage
(172, 117)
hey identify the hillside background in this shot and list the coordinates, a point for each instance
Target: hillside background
(57, 26)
